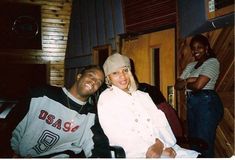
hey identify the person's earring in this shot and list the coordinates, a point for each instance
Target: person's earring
(108, 83)
(79, 76)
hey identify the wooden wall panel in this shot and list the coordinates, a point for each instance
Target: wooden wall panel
(222, 42)
(143, 16)
(55, 17)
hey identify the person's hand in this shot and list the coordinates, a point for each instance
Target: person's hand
(180, 83)
(169, 152)
(155, 151)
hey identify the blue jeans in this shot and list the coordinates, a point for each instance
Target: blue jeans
(204, 112)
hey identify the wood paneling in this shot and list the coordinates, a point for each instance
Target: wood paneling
(142, 15)
(55, 17)
(222, 42)
(219, 8)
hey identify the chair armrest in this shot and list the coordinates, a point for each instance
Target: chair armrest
(118, 151)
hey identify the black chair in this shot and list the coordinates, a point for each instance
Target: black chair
(118, 151)
(6, 105)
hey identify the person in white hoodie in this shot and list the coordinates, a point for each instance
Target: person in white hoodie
(130, 118)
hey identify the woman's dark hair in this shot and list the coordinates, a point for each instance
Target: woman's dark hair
(203, 40)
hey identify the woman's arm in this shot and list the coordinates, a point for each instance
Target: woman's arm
(192, 83)
(180, 84)
(196, 84)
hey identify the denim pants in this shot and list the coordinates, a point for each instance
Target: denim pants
(204, 111)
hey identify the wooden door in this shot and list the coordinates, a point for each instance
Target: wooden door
(100, 54)
(153, 55)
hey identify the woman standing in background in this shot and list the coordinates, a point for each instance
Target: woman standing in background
(204, 107)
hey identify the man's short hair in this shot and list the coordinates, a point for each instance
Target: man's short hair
(89, 67)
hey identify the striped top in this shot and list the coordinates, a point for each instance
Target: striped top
(210, 68)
